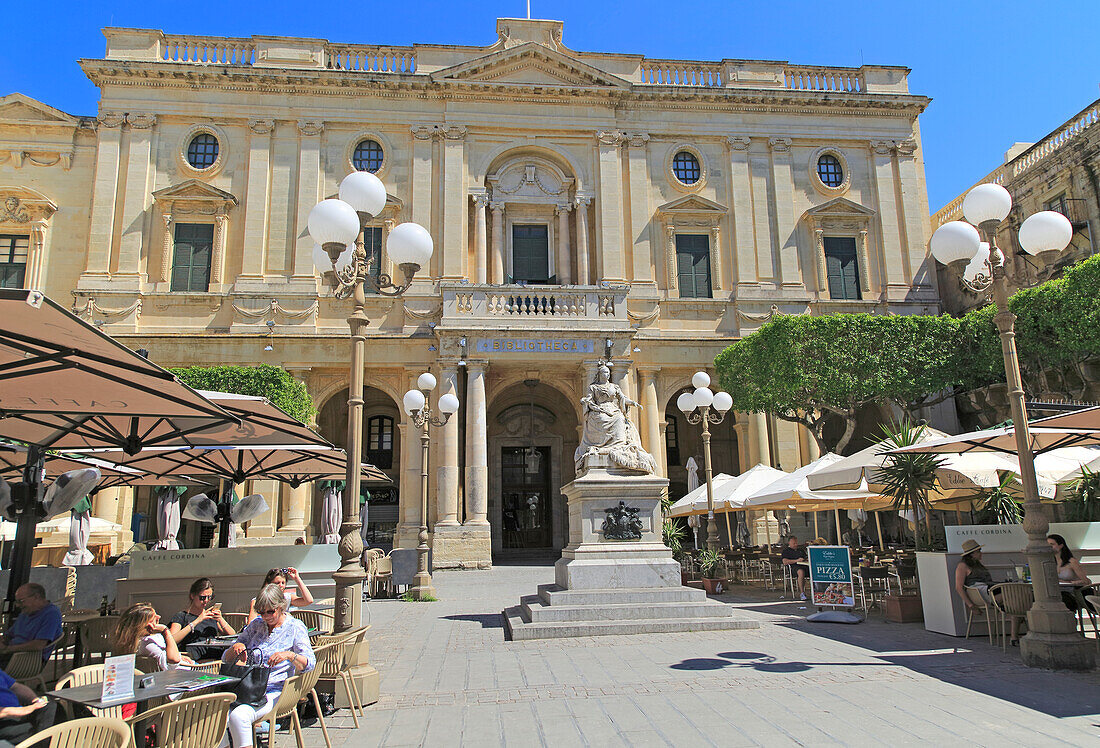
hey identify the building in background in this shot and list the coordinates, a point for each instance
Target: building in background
(1061, 172)
(583, 204)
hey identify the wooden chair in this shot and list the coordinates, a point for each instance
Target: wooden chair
(195, 722)
(983, 608)
(86, 676)
(29, 668)
(237, 620)
(1014, 601)
(96, 638)
(294, 690)
(315, 619)
(91, 732)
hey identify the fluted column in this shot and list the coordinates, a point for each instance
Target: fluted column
(477, 464)
(652, 420)
(498, 242)
(583, 276)
(565, 276)
(481, 203)
(447, 472)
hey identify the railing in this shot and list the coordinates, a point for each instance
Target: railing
(370, 59)
(681, 73)
(212, 50)
(1056, 140)
(469, 303)
(953, 210)
(823, 79)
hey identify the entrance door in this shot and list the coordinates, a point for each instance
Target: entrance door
(525, 493)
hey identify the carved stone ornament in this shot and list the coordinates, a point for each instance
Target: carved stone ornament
(111, 119)
(739, 142)
(622, 523)
(610, 137)
(261, 126)
(141, 120)
(310, 127)
(780, 145)
(608, 434)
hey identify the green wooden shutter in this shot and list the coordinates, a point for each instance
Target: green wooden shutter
(191, 257)
(842, 268)
(530, 253)
(693, 265)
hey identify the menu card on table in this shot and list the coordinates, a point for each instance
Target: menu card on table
(118, 679)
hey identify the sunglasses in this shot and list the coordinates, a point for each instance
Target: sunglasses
(267, 612)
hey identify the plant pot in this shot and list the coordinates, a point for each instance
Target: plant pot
(714, 586)
(904, 609)
(686, 577)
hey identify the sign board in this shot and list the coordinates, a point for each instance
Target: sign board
(249, 560)
(533, 345)
(1013, 539)
(831, 576)
(118, 679)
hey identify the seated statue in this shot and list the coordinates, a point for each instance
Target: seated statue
(607, 430)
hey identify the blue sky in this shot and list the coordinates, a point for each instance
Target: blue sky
(998, 72)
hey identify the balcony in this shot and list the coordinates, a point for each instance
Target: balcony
(469, 306)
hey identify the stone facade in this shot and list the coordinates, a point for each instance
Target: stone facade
(681, 205)
(1061, 172)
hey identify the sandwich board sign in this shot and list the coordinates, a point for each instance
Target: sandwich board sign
(831, 583)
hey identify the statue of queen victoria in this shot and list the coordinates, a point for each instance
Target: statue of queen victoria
(607, 431)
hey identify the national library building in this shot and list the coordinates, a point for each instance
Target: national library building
(582, 204)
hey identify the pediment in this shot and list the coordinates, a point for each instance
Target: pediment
(839, 207)
(195, 191)
(691, 204)
(17, 107)
(24, 205)
(530, 64)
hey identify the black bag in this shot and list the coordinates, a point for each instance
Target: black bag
(252, 688)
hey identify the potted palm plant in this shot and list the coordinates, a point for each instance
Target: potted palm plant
(709, 561)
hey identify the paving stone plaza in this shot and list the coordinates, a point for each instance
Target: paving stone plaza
(450, 678)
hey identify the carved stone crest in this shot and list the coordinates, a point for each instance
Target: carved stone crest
(622, 523)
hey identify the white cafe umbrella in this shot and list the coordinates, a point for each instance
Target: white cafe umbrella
(168, 519)
(692, 468)
(331, 513)
(695, 502)
(80, 530)
(1062, 466)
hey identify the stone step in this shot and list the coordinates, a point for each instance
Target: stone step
(535, 610)
(517, 629)
(552, 594)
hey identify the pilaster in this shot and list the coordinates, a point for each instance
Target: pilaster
(309, 194)
(101, 232)
(895, 271)
(447, 471)
(643, 269)
(409, 496)
(257, 194)
(454, 203)
(762, 221)
(136, 200)
(786, 240)
(744, 274)
(280, 233)
(421, 186)
(477, 463)
(609, 209)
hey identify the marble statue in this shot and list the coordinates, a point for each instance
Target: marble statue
(607, 431)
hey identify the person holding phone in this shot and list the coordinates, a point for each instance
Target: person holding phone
(201, 619)
(279, 578)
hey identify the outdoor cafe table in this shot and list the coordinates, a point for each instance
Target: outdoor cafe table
(202, 647)
(91, 694)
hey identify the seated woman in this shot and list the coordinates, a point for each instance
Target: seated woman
(283, 644)
(971, 572)
(140, 632)
(198, 620)
(278, 577)
(1069, 571)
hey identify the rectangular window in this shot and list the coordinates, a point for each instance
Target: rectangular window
(372, 246)
(380, 441)
(841, 268)
(13, 260)
(672, 442)
(693, 265)
(1058, 205)
(530, 253)
(191, 260)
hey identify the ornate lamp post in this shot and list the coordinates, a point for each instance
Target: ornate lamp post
(1052, 640)
(336, 226)
(416, 405)
(706, 407)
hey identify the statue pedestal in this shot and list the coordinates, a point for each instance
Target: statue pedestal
(616, 576)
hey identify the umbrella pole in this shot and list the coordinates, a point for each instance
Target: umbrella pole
(223, 505)
(836, 521)
(23, 550)
(817, 534)
(878, 524)
(729, 532)
(768, 528)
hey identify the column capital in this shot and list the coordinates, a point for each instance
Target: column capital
(310, 126)
(779, 145)
(563, 208)
(637, 139)
(141, 120)
(906, 147)
(423, 132)
(111, 119)
(610, 138)
(479, 365)
(648, 370)
(739, 142)
(481, 199)
(261, 126)
(448, 364)
(582, 201)
(496, 205)
(882, 147)
(453, 132)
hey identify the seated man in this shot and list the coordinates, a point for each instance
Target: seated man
(37, 625)
(22, 712)
(796, 557)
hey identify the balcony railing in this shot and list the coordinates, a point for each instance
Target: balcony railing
(823, 79)
(211, 50)
(370, 59)
(479, 304)
(682, 73)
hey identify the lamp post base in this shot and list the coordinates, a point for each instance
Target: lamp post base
(1058, 651)
(422, 588)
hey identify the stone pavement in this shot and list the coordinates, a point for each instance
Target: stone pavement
(449, 678)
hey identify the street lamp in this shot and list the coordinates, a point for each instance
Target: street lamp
(706, 407)
(1052, 639)
(417, 406)
(336, 225)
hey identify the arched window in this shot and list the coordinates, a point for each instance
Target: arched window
(380, 441)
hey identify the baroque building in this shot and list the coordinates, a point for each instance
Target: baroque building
(583, 204)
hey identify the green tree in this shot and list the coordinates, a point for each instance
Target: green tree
(907, 478)
(260, 381)
(809, 369)
(997, 504)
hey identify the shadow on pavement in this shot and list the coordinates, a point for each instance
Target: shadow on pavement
(487, 620)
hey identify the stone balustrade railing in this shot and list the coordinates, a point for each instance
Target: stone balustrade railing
(472, 304)
(1051, 143)
(824, 79)
(953, 211)
(370, 59)
(211, 50)
(682, 73)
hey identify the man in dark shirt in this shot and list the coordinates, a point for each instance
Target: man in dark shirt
(22, 712)
(37, 625)
(796, 557)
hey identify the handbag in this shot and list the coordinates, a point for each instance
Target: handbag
(252, 688)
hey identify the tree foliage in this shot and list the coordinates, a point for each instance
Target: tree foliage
(271, 382)
(907, 478)
(806, 369)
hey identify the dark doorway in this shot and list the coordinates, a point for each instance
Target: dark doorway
(526, 502)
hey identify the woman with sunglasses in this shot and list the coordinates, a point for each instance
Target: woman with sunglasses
(199, 620)
(280, 642)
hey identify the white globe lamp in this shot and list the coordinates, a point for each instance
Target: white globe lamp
(685, 402)
(703, 397)
(723, 401)
(954, 241)
(364, 192)
(1045, 231)
(333, 224)
(426, 381)
(700, 379)
(413, 401)
(448, 404)
(987, 202)
(410, 244)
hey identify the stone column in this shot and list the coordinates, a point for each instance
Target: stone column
(744, 249)
(104, 196)
(36, 257)
(822, 263)
(409, 527)
(256, 201)
(810, 450)
(610, 224)
(498, 242)
(422, 175)
(309, 194)
(455, 226)
(217, 259)
(583, 276)
(716, 282)
(759, 446)
(564, 272)
(447, 472)
(652, 418)
(477, 463)
(670, 262)
(140, 171)
(786, 238)
(264, 525)
(296, 508)
(481, 203)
